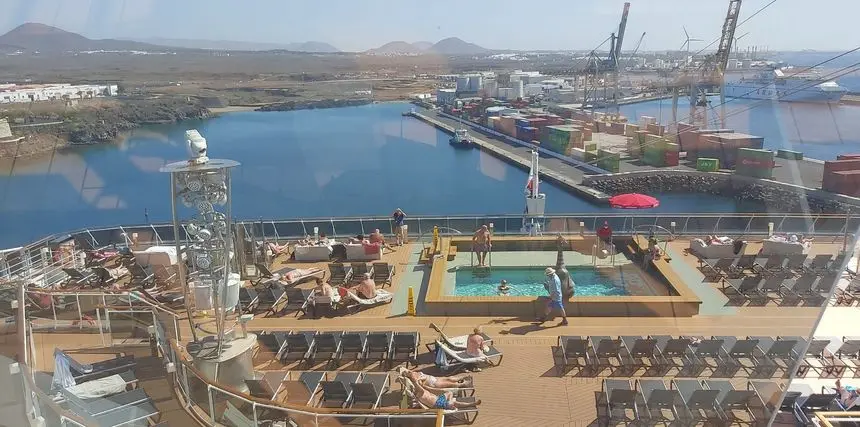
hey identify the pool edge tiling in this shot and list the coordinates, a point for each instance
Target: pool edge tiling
(438, 303)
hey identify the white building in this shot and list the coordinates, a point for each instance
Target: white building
(491, 88)
(446, 96)
(533, 89)
(11, 93)
(506, 93)
(518, 90)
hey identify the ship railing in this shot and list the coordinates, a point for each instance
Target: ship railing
(205, 400)
(37, 263)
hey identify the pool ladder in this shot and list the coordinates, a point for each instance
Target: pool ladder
(484, 270)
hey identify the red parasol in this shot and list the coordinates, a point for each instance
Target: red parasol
(633, 201)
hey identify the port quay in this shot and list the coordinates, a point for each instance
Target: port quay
(796, 175)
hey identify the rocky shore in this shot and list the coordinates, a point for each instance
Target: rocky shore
(775, 198)
(310, 105)
(99, 125)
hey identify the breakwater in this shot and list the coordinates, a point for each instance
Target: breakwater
(777, 196)
(312, 105)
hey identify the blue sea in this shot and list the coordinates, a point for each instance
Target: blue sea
(357, 161)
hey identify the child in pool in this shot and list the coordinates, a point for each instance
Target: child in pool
(504, 289)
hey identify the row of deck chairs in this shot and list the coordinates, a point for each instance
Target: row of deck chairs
(802, 405)
(809, 286)
(683, 402)
(796, 264)
(850, 294)
(340, 274)
(334, 348)
(722, 355)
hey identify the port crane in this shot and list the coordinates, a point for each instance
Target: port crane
(710, 76)
(606, 67)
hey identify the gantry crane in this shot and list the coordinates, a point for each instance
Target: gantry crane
(710, 76)
(607, 67)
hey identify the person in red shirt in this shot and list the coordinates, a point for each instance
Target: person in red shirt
(605, 233)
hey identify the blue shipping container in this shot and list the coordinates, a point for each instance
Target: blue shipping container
(523, 122)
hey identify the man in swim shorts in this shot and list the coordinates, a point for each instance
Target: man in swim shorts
(555, 301)
(481, 244)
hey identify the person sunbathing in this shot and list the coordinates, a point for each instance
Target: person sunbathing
(378, 239)
(278, 249)
(366, 288)
(431, 382)
(445, 400)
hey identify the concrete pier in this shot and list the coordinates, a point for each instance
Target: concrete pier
(552, 170)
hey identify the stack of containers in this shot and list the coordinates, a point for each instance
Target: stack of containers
(560, 139)
(654, 151)
(755, 163)
(507, 125)
(839, 176)
(493, 122)
(692, 144)
(848, 157)
(673, 154)
(630, 129)
(644, 121)
(655, 129)
(527, 133)
(724, 146)
(687, 137)
(608, 160)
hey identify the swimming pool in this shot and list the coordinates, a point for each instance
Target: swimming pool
(528, 281)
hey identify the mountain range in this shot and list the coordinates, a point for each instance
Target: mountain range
(45, 38)
(309, 46)
(449, 46)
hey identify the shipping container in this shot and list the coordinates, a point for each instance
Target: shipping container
(672, 158)
(590, 146)
(704, 164)
(794, 155)
(653, 156)
(845, 182)
(847, 156)
(577, 153)
(841, 165)
(590, 156)
(755, 163)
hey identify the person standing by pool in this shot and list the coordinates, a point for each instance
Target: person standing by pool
(481, 244)
(555, 301)
(399, 226)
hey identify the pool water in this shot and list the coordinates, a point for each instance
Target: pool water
(528, 281)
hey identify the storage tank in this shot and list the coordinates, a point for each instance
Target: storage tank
(463, 84)
(505, 93)
(517, 89)
(491, 88)
(475, 83)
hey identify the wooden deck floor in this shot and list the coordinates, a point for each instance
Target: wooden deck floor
(525, 389)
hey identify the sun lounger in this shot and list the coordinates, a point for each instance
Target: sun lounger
(404, 347)
(673, 351)
(248, 299)
(457, 342)
(370, 389)
(460, 357)
(235, 418)
(802, 286)
(102, 387)
(747, 287)
(340, 274)
(715, 268)
(636, 351)
(617, 398)
(298, 346)
(606, 351)
(297, 300)
(359, 269)
(742, 264)
(273, 341)
(352, 343)
(573, 349)
(379, 346)
(269, 298)
(356, 302)
(707, 351)
(796, 262)
(119, 409)
(806, 406)
(700, 403)
(288, 276)
(326, 343)
(105, 368)
(658, 398)
(79, 277)
(383, 272)
(467, 414)
(339, 389)
(770, 264)
(736, 351)
(730, 401)
(311, 381)
(775, 354)
(266, 385)
(819, 263)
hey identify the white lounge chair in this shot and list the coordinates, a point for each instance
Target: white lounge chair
(456, 343)
(356, 302)
(468, 415)
(460, 357)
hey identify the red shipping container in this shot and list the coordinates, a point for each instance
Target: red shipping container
(848, 157)
(672, 158)
(845, 182)
(841, 165)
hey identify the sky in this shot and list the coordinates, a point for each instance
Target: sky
(352, 25)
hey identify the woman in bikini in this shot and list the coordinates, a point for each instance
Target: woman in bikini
(431, 382)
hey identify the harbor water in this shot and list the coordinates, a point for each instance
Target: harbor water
(356, 161)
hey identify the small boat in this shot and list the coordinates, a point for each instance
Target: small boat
(408, 113)
(461, 139)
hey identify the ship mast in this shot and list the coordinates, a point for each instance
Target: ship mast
(535, 200)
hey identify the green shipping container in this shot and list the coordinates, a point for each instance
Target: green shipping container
(789, 154)
(654, 156)
(590, 156)
(590, 147)
(704, 164)
(611, 164)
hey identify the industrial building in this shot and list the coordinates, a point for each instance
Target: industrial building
(13, 93)
(446, 96)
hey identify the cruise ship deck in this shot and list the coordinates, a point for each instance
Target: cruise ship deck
(532, 384)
